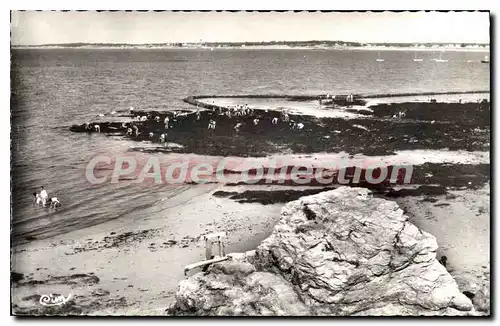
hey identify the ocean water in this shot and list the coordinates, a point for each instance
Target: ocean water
(55, 88)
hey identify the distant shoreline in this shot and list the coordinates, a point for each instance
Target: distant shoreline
(280, 45)
(439, 49)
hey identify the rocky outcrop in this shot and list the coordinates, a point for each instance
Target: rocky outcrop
(476, 286)
(340, 252)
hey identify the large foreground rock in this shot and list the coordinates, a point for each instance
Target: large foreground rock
(339, 252)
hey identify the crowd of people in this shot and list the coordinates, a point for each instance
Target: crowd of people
(132, 127)
(230, 111)
(245, 110)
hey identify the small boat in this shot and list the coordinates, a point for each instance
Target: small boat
(380, 59)
(417, 59)
(486, 59)
(440, 58)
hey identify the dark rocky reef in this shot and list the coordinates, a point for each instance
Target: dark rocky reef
(456, 126)
(466, 114)
(445, 175)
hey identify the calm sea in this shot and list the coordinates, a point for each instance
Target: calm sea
(55, 88)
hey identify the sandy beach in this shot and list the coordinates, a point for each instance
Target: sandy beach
(137, 268)
(460, 221)
(125, 270)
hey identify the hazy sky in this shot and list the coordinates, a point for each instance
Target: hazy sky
(31, 28)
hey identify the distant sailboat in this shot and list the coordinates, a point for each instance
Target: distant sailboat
(380, 59)
(417, 59)
(441, 58)
(486, 59)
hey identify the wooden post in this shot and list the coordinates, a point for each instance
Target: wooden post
(219, 243)
(208, 249)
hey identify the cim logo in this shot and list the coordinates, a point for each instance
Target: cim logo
(54, 299)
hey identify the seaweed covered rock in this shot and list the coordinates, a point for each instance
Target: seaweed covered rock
(340, 252)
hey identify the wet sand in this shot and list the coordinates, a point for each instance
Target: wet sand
(465, 237)
(460, 221)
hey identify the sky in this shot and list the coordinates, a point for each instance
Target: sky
(49, 27)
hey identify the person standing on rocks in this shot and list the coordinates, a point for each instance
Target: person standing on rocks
(211, 124)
